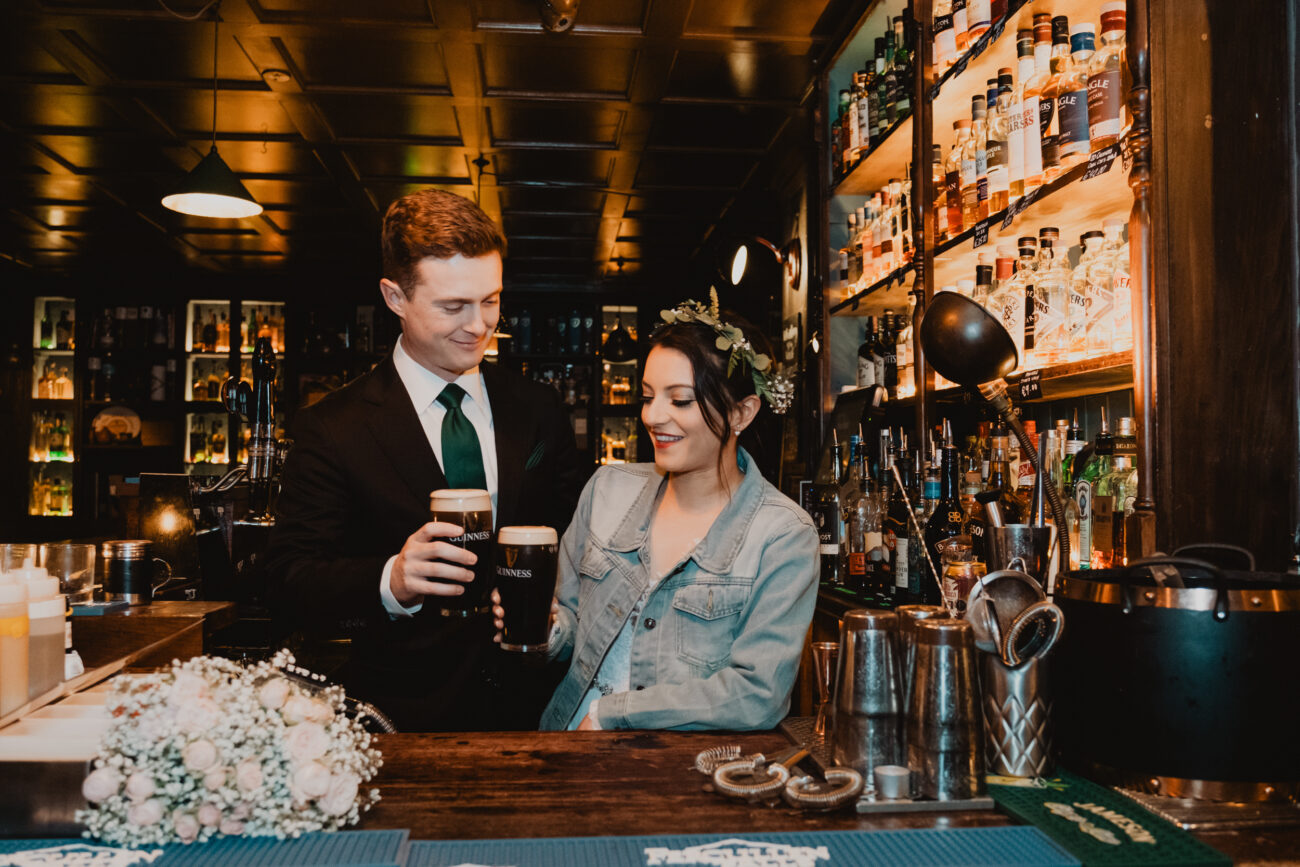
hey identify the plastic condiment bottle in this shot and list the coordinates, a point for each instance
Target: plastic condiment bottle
(13, 645)
(45, 608)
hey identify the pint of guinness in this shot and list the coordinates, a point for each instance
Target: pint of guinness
(526, 562)
(471, 510)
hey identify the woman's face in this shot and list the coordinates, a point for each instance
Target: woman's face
(674, 416)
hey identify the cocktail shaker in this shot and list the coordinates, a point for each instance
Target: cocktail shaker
(945, 744)
(867, 726)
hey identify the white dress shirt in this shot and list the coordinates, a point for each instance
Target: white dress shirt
(424, 386)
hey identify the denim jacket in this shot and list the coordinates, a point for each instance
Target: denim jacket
(719, 639)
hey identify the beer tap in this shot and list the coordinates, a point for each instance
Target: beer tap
(256, 406)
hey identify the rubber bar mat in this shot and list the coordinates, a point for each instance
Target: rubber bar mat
(966, 847)
(338, 849)
(1101, 826)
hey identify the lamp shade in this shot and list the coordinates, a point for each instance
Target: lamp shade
(962, 342)
(213, 190)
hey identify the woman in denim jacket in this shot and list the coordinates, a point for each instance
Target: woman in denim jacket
(685, 586)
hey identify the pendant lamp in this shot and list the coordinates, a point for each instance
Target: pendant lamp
(212, 189)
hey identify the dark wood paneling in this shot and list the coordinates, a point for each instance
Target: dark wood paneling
(1226, 293)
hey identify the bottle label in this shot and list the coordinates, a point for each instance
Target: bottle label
(1046, 111)
(1104, 103)
(1033, 139)
(930, 489)
(1083, 499)
(969, 172)
(1013, 318)
(945, 41)
(1078, 317)
(855, 140)
(1072, 106)
(902, 563)
(1015, 144)
(1103, 516)
(866, 372)
(1031, 318)
(858, 564)
(979, 14)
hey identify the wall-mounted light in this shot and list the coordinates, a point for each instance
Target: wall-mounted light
(789, 256)
(212, 189)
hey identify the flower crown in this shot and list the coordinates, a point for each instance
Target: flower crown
(777, 388)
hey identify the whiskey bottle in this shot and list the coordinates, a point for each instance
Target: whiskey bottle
(974, 166)
(902, 71)
(1031, 82)
(996, 146)
(1076, 323)
(944, 36)
(827, 517)
(862, 522)
(953, 177)
(1058, 31)
(1073, 141)
(889, 347)
(1107, 78)
(867, 363)
(948, 517)
(1015, 508)
(939, 186)
(62, 331)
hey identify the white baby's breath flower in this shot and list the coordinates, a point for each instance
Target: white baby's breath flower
(312, 779)
(101, 784)
(201, 755)
(146, 813)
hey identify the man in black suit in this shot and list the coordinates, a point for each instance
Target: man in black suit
(352, 547)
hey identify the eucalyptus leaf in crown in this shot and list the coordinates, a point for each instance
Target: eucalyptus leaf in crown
(213, 748)
(731, 340)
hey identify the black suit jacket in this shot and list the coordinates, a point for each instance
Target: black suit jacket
(355, 486)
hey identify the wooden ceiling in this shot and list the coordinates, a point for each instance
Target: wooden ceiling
(615, 148)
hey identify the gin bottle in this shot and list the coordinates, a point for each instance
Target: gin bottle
(1013, 302)
(1076, 321)
(1085, 482)
(1051, 299)
(1102, 312)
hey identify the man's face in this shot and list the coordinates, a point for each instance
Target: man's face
(451, 313)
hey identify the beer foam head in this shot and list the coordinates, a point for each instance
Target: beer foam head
(527, 536)
(460, 500)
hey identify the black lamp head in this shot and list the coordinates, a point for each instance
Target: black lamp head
(965, 344)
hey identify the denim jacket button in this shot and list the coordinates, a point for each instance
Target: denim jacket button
(640, 687)
(650, 623)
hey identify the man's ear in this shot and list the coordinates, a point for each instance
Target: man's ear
(394, 297)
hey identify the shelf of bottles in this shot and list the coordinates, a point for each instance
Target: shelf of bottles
(1030, 217)
(206, 446)
(620, 384)
(262, 319)
(53, 344)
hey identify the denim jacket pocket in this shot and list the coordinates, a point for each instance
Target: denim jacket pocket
(706, 620)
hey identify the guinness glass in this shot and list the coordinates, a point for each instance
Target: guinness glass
(471, 510)
(526, 570)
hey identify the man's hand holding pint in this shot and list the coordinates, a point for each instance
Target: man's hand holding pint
(429, 566)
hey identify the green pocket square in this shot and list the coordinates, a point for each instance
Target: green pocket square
(536, 457)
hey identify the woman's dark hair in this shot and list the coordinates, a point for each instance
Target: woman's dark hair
(717, 392)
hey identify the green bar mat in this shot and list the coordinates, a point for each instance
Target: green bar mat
(319, 849)
(965, 847)
(1100, 826)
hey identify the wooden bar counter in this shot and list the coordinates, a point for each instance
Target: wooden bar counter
(493, 785)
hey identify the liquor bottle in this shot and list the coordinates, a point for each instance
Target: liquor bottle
(867, 96)
(1006, 145)
(939, 187)
(868, 557)
(961, 36)
(979, 18)
(217, 443)
(1112, 493)
(1008, 298)
(881, 349)
(974, 167)
(945, 38)
(105, 338)
(1108, 78)
(198, 440)
(853, 517)
(889, 346)
(1085, 477)
(60, 502)
(866, 364)
(827, 516)
(47, 332)
(902, 71)
(94, 378)
(210, 333)
(948, 516)
(953, 176)
(1073, 140)
(1051, 299)
(62, 331)
(1076, 323)
(1025, 476)
(575, 332)
(62, 384)
(1015, 508)
(1058, 32)
(1103, 312)
(1031, 82)
(898, 527)
(1123, 298)
(983, 280)
(58, 438)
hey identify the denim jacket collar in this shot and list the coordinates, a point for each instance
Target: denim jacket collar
(717, 553)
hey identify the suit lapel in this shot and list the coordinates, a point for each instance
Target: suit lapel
(512, 429)
(397, 429)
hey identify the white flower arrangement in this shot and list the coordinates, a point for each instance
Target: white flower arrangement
(213, 747)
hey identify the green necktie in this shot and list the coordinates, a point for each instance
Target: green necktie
(462, 456)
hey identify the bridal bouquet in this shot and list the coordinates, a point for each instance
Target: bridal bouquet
(214, 747)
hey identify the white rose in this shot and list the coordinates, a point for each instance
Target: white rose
(232, 827)
(312, 779)
(241, 811)
(139, 787)
(300, 708)
(201, 755)
(101, 784)
(197, 715)
(185, 687)
(248, 775)
(215, 778)
(209, 815)
(273, 693)
(149, 812)
(306, 741)
(186, 825)
(341, 795)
